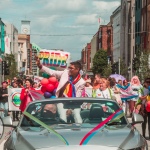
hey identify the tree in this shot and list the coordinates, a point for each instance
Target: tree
(108, 70)
(144, 68)
(123, 68)
(100, 62)
(10, 59)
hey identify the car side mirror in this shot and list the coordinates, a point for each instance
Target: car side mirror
(137, 118)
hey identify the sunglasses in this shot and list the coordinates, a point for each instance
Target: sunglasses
(71, 68)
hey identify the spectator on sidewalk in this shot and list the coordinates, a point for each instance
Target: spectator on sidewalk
(4, 99)
(15, 113)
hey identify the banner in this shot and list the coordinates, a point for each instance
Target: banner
(54, 59)
(14, 99)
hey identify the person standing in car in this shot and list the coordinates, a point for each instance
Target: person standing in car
(71, 84)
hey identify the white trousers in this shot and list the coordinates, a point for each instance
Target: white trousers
(62, 113)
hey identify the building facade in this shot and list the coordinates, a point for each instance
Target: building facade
(125, 37)
(2, 46)
(2, 36)
(132, 37)
(148, 24)
(105, 38)
(35, 51)
(86, 59)
(11, 41)
(94, 48)
(116, 34)
(24, 54)
(138, 12)
(145, 25)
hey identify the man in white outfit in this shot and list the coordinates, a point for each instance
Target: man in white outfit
(69, 78)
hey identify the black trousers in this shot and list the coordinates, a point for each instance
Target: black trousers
(15, 115)
(146, 120)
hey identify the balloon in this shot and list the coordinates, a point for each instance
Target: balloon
(54, 92)
(148, 106)
(44, 81)
(53, 96)
(50, 88)
(43, 89)
(45, 75)
(52, 80)
(47, 94)
(56, 84)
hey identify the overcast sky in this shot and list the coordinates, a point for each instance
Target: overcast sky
(60, 24)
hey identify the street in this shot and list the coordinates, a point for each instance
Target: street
(8, 129)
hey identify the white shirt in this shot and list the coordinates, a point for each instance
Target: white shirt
(104, 94)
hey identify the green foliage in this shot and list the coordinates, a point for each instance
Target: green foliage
(10, 58)
(123, 68)
(107, 71)
(143, 70)
(100, 62)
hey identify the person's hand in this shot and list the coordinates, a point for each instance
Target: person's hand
(26, 90)
(68, 112)
(4, 95)
(105, 108)
(38, 61)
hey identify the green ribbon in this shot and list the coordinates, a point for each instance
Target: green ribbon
(46, 127)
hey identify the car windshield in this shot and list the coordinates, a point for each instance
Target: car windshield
(83, 112)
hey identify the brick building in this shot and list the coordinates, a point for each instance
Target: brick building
(86, 58)
(145, 24)
(105, 38)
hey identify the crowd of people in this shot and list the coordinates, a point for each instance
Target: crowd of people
(130, 95)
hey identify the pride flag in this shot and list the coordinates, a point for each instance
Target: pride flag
(126, 92)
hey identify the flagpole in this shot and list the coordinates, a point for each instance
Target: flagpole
(99, 21)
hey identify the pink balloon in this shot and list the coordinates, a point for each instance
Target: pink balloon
(52, 80)
(44, 81)
(50, 88)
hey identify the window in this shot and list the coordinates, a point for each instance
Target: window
(139, 3)
(138, 28)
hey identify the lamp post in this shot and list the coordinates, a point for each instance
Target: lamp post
(119, 65)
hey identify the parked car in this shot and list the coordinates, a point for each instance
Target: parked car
(75, 123)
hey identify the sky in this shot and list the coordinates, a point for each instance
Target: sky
(59, 24)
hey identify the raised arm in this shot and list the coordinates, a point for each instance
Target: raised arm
(47, 70)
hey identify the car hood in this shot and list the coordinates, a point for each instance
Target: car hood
(120, 136)
(76, 147)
